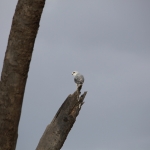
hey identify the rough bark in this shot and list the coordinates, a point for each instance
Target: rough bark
(21, 40)
(57, 131)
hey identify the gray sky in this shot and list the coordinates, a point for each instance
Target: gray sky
(109, 43)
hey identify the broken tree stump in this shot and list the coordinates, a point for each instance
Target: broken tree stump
(56, 132)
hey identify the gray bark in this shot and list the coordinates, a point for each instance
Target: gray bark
(57, 131)
(21, 40)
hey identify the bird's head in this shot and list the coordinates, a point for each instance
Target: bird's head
(74, 73)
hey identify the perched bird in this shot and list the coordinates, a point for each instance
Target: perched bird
(78, 78)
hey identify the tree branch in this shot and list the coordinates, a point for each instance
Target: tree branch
(21, 40)
(56, 132)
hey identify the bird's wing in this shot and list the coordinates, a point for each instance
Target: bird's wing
(79, 79)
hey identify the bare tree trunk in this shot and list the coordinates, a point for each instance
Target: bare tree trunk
(56, 132)
(15, 68)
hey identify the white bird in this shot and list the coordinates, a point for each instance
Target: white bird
(78, 78)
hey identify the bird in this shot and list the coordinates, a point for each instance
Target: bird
(78, 78)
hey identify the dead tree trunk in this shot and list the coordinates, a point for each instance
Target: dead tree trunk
(15, 68)
(56, 132)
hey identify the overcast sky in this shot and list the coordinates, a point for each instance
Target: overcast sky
(109, 43)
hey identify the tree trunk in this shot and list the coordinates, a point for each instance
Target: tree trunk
(56, 132)
(15, 68)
